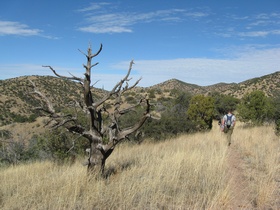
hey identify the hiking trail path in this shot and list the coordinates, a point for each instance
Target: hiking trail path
(239, 184)
(241, 196)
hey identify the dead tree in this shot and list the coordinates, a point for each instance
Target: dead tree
(104, 131)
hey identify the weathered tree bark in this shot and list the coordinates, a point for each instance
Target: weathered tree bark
(103, 135)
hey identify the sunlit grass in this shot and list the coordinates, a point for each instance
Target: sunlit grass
(187, 172)
(261, 152)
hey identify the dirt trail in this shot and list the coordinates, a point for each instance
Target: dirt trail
(240, 195)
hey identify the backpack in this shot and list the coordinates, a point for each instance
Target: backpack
(229, 121)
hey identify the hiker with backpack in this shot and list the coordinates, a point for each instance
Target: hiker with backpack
(227, 125)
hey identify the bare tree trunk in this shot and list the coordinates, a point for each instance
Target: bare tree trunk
(103, 135)
(98, 157)
(96, 161)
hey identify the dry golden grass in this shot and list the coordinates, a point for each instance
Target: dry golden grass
(187, 172)
(261, 151)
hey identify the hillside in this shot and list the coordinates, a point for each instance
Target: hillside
(270, 84)
(17, 102)
(179, 85)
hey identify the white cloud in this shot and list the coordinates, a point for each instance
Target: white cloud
(93, 7)
(205, 71)
(104, 29)
(253, 26)
(108, 21)
(196, 14)
(247, 63)
(15, 28)
(259, 33)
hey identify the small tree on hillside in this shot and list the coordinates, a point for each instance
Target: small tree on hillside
(223, 103)
(201, 111)
(104, 130)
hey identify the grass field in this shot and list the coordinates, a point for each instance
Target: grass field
(187, 172)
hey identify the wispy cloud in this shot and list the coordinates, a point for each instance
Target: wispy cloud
(111, 21)
(245, 64)
(8, 28)
(94, 7)
(259, 33)
(259, 25)
(16, 28)
(265, 19)
(108, 23)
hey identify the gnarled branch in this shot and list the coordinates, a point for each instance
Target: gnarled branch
(64, 77)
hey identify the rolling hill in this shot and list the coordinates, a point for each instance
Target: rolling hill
(17, 102)
(270, 84)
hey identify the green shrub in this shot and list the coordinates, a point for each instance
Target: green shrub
(152, 93)
(223, 103)
(173, 118)
(201, 111)
(256, 108)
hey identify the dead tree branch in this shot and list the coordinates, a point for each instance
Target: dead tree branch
(104, 130)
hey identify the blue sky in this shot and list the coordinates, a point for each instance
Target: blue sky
(198, 42)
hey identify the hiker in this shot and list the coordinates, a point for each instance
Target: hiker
(227, 125)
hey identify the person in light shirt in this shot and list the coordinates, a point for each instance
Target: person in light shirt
(227, 125)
